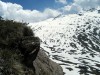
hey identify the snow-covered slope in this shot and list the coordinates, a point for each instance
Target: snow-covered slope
(73, 41)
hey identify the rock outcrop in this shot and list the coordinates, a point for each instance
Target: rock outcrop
(44, 66)
(18, 50)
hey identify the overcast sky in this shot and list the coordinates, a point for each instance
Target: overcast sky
(38, 10)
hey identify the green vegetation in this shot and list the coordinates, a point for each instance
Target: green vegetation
(16, 48)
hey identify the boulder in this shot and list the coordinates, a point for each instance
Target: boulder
(44, 66)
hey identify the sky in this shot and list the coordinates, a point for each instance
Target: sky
(40, 4)
(39, 10)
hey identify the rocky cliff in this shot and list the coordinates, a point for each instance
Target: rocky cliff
(20, 52)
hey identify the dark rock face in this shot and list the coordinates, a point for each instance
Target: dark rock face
(98, 11)
(29, 47)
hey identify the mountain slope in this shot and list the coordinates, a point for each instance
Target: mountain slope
(73, 41)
